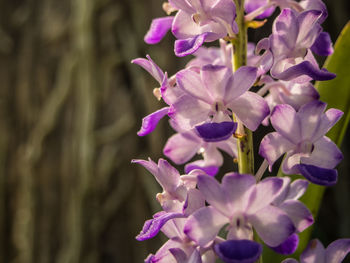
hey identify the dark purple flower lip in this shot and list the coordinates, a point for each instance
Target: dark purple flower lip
(288, 246)
(242, 251)
(305, 68)
(184, 47)
(318, 175)
(214, 131)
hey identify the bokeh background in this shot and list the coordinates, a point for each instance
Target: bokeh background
(70, 106)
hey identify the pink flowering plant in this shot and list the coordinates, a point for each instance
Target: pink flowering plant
(215, 104)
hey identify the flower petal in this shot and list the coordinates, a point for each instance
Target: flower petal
(328, 120)
(337, 250)
(251, 5)
(237, 186)
(151, 166)
(286, 28)
(179, 255)
(151, 67)
(194, 201)
(152, 227)
(163, 254)
(149, 123)
(325, 154)
(284, 120)
(184, 27)
(303, 68)
(188, 111)
(310, 116)
(159, 27)
(298, 213)
(288, 246)
(204, 224)
(190, 81)
(211, 170)
(183, 5)
(323, 45)
(297, 189)
(272, 146)
(238, 251)
(272, 225)
(314, 252)
(242, 80)
(181, 147)
(213, 192)
(214, 132)
(309, 29)
(188, 46)
(264, 193)
(214, 79)
(195, 257)
(318, 175)
(250, 108)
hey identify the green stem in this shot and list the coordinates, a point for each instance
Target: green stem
(240, 47)
(239, 58)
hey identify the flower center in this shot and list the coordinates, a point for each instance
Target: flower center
(306, 147)
(201, 18)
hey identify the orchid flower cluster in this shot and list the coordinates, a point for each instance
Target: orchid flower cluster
(213, 109)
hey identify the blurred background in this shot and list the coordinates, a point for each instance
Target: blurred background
(70, 106)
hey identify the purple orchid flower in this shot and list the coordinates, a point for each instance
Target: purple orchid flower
(150, 122)
(199, 21)
(243, 205)
(315, 252)
(296, 211)
(181, 147)
(168, 177)
(166, 91)
(178, 248)
(260, 9)
(301, 135)
(288, 92)
(212, 95)
(293, 35)
(196, 22)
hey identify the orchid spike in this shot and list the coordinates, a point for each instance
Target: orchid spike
(301, 135)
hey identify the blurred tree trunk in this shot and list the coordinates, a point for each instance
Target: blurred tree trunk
(69, 99)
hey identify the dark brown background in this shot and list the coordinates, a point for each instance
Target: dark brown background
(70, 106)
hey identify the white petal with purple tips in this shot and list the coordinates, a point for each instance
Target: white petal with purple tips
(298, 213)
(181, 147)
(250, 108)
(284, 120)
(337, 250)
(272, 146)
(204, 224)
(272, 225)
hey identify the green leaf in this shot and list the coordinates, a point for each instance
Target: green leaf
(336, 93)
